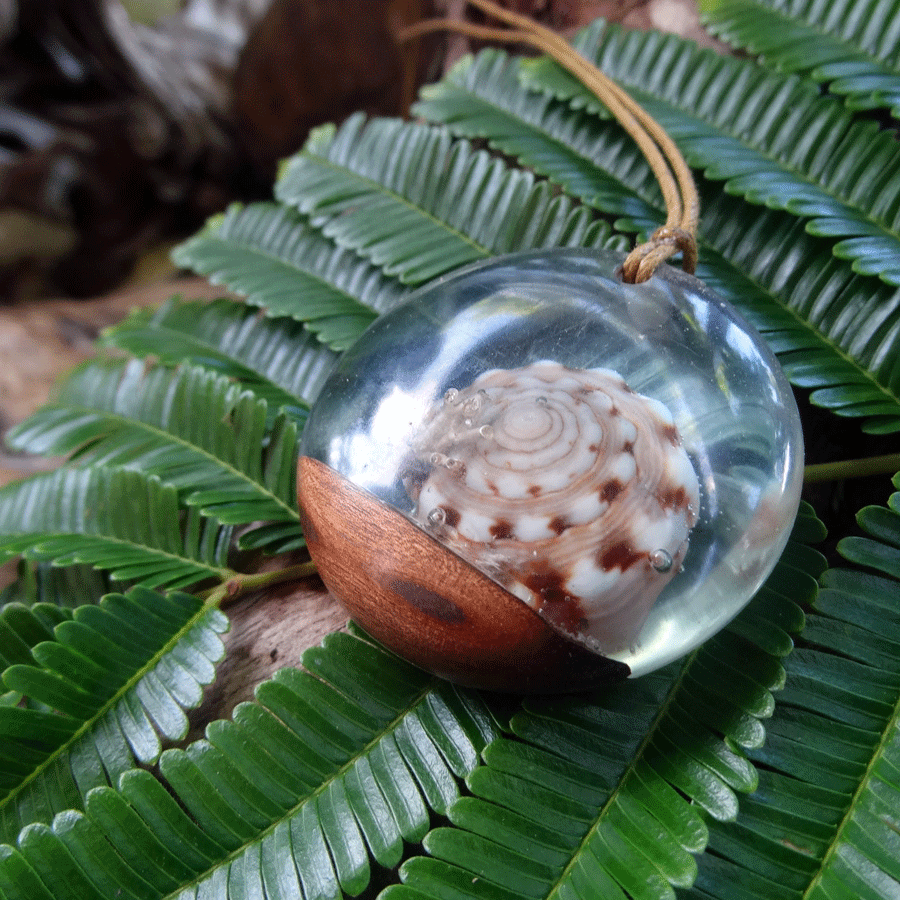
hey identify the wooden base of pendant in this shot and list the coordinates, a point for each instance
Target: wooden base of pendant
(427, 604)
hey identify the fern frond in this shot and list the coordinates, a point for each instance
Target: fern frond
(118, 677)
(294, 796)
(850, 45)
(332, 770)
(601, 796)
(772, 139)
(21, 627)
(270, 254)
(43, 583)
(823, 821)
(851, 325)
(417, 204)
(483, 97)
(275, 358)
(121, 521)
(196, 430)
(835, 333)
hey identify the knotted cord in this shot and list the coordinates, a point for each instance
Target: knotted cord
(665, 160)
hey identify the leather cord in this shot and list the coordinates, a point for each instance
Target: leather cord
(672, 173)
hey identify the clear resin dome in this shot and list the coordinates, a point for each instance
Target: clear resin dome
(625, 460)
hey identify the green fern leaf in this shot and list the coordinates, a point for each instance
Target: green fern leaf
(418, 205)
(274, 358)
(120, 521)
(810, 321)
(22, 627)
(118, 677)
(198, 430)
(850, 45)
(771, 139)
(271, 255)
(292, 797)
(835, 333)
(879, 551)
(603, 794)
(330, 771)
(43, 584)
(823, 821)
(483, 97)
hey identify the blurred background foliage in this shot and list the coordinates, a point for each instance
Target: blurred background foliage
(125, 123)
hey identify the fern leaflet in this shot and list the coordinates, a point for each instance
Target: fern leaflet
(109, 709)
(274, 358)
(850, 45)
(198, 430)
(121, 521)
(272, 256)
(418, 205)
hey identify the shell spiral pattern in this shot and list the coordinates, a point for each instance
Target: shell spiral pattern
(566, 487)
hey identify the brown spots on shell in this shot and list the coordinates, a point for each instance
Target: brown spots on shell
(414, 475)
(670, 433)
(611, 490)
(673, 497)
(457, 468)
(493, 488)
(535, 490)
(555, 604)
(501, 530)
(451, 516)
(558, 524)
(628, 447)
(621, 555)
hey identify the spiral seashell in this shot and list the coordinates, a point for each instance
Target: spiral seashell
(566, 487)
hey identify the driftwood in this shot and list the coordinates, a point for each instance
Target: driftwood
(269, 630)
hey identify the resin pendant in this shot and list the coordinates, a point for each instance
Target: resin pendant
(532, 476)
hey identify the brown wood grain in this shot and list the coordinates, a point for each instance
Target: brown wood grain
(418, 598)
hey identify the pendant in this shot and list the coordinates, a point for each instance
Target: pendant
(532, 476)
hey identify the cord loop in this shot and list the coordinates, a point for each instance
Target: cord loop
(664, 243)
